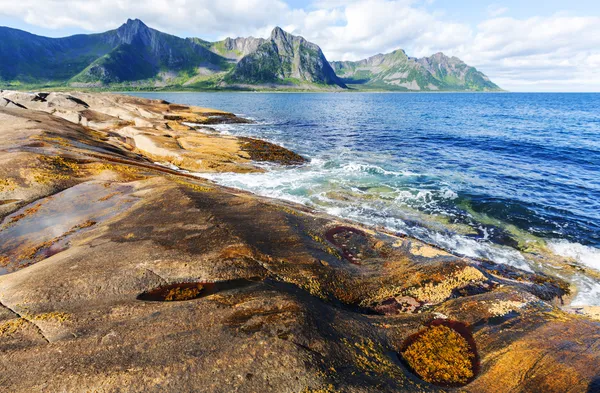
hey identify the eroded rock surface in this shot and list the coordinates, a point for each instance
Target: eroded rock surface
(122, 275)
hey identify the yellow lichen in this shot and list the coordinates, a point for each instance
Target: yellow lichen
(193, 186)
(61, 163)
(290, 211)
(427, 251)
(314, 287)
(438, 292)
(54, 139)
(370, 357)
(55, 168)
(324, 389)
(126, 169)
(180, 294)
(52, 316)
(329, 250)
(12, 326)
(502, 308)
(440, 355)
(7, 185)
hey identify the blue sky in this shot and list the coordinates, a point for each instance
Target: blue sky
(526, 45)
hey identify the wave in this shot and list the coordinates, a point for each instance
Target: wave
(374, 169)
(585, 255)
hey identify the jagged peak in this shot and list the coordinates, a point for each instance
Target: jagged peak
(441, 57)
(135, 22)
(133, 25)
(278, 32)
(134, 29)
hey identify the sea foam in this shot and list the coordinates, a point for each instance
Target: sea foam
(585, 255)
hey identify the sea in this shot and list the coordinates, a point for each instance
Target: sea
(498, 176)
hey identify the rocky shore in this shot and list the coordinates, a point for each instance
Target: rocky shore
(122, 272)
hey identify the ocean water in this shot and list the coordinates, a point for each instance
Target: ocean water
(484, 175)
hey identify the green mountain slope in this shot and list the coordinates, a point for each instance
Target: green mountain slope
(397, 71)
(143, 53)
(29, 58)
(133, 52)
(138, 57)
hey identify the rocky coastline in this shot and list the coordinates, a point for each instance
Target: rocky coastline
(122, 271)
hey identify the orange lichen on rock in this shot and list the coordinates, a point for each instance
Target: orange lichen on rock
(441, 355)
(181, 293)
(26, 212)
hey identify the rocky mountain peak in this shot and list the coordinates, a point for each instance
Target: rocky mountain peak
(131, 29)
(278, 33)
(279, 36)
(133, 25)
(285, 58)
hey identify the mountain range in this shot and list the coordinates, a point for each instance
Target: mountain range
(135, 56)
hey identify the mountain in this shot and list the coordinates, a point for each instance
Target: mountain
(397, 71)
(285, 58)
(29, 58)
(132, 52)
(135, 56)
(140, 53)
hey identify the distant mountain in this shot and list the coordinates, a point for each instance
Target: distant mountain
(137, 56)
(133, 52)
(285, 58)
(397, 71)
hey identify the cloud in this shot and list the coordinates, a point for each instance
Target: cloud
(541, 53)
(556, 50)
(201, 17)
(367, 27)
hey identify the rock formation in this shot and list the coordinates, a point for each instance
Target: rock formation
(119, 274)
(137, 56)
(285, 58)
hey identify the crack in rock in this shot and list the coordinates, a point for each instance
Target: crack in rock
(36, 326)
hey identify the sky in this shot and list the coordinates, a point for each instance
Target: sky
(522, 45)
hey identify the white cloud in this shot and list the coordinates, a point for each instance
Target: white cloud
(206, 17)
(540, 53)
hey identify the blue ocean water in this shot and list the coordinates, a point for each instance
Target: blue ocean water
(481, 174)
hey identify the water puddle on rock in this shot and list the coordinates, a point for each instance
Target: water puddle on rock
(44, 227)
(443, 353)
(192, 290)
(353, 243)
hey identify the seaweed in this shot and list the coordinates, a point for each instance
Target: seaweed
(443, 354)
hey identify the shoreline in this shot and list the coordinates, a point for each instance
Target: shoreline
(533, 254)
(90, 225)
(281, 89)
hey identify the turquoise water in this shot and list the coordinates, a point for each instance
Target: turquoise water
(483, 175)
